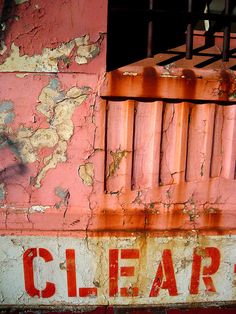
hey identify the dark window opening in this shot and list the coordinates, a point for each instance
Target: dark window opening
(141, 29)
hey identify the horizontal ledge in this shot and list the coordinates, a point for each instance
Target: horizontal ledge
(154, 82)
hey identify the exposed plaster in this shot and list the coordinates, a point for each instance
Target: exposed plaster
(2, 192)
(57, 107)
(80, 50)
(86, 173)
(6, 113)
(117, 157)
(64, 195)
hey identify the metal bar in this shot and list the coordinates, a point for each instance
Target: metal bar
(189, 36)
(150, 33)
(226, 43)
(182, 14)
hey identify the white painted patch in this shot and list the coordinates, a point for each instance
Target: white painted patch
(129, 73)
(38, 208)
(44, 265)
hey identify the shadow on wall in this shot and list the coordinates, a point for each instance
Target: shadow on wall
(128, 29)
(19, 168)
(7, 16)
(127, 40)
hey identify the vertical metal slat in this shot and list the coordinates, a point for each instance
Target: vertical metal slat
(227, 27)
(189, 36)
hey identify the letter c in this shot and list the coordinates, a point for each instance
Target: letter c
(28, 259)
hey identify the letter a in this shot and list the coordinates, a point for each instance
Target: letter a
(165, 268)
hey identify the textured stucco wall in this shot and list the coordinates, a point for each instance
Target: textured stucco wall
(51, 64)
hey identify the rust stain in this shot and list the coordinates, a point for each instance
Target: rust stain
(213, 218)
(156, 207)
(155, 82)
(150, 82)
(201, 252)
(189, 88)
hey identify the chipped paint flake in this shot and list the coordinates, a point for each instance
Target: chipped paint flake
(57, 107)
(64, 195)
(60, 192)
(44, 138)
(59, 114)
(6, 113)
(117, 157)
(21, 75)
(86, 173)
(49, 59)
(86, 52)
(2, 192)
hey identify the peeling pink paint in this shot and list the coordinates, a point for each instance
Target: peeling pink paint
(86, 153)
(42, 24)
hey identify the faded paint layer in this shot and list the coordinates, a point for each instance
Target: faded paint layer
(129, 161)
(57, 107)
(110, 271)
(67, 138)
(52, 36)
(52, 60)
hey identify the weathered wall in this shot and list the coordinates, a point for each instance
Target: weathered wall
(73, 161)
(54, 36)
(76, 167)
(133, 270)
(51, 64)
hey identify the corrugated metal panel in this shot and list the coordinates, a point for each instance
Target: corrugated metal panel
(151, 144)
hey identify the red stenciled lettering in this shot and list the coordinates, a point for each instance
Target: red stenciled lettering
(198, 254)
(87, 292)
(165, 268)
(128, 271)
(28, 259)
(129, 253)
(71, 273)
(71, 278)
(125, 271)
(113, 272)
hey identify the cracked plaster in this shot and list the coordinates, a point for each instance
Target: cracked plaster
(57, 107)
(48, 60)
(86, 173)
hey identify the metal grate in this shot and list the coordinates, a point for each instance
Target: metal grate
(220, 15)
(226, 18)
